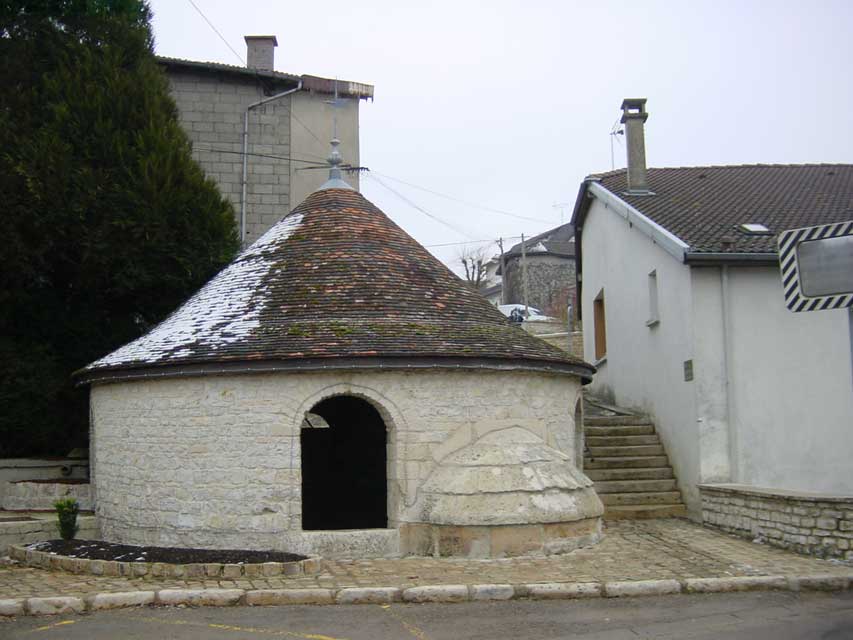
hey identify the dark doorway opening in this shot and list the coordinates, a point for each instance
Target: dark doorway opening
(344, 479)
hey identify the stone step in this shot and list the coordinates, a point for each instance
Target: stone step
(644, 512)
(656, 497)
(640, 450)
(616, 421)
(626, 462)
(655, 473)
(634, 486)
(620, 441)
(635, 430)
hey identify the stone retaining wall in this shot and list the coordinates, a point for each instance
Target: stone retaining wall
(41, 529)
(812, 524)
(14, 469)
(38, 496)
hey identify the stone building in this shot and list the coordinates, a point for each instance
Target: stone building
(337, 390)
(550, 260)
(286, 120)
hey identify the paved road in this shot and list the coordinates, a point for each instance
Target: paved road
(753, 616)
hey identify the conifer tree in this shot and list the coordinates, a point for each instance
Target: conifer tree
(106, 222)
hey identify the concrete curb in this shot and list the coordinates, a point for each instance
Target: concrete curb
(447, 593)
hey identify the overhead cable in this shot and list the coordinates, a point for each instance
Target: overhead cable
(421, 209)
(465, 202)
(221, 37)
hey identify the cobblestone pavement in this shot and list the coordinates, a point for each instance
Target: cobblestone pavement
(631, 550)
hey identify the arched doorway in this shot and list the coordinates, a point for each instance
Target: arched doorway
(344, 478)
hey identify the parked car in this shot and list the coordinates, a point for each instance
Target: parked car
(532, 313)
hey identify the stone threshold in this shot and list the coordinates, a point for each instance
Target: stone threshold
(217, 597)
(114, 568)
(781, 494)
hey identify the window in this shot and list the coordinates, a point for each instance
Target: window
(654, 318)
(599, 328)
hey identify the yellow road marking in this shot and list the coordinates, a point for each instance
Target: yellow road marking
(235, 628)
(420, 634)
(55, 624)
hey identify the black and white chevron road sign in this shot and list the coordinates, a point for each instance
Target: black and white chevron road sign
(817, 266)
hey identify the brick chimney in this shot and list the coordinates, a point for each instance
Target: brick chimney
(634, 117)
(260, 52)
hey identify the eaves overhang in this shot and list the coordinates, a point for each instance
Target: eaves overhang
(102, 376)
(345, 88)
(664, 238)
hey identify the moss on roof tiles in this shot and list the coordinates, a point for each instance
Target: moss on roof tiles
(336, 278)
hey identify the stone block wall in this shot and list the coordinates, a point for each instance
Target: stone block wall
(576, 344)
(23, 495)
(812, 524)
(211, 108)
(550, 283)
(215, 461)
(29, 530)
(14, 469)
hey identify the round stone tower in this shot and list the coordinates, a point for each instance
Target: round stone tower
(337, 390)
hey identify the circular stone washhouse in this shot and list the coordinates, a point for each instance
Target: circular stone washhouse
(336, 390)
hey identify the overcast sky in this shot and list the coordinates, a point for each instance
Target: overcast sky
(508, 105)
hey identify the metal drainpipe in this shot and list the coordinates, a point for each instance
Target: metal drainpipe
(245, 180)
(727, 370)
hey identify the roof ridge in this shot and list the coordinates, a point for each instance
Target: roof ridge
(759, 165)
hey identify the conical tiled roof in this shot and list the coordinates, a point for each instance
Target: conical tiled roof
(334, 284)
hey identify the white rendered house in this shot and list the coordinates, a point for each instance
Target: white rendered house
(686, 321)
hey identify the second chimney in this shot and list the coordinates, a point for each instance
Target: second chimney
(634, 117)
(260, 52)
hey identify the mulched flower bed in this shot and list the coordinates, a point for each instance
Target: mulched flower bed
(98, 550)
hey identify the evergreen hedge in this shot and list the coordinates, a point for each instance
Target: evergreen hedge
(106, 222)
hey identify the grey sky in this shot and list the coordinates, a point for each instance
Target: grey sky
(510, 104)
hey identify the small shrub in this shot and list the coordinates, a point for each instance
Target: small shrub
(67, 510)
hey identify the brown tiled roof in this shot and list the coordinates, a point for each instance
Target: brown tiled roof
(335, 279)
(704, 205)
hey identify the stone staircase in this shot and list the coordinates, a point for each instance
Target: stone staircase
(626, 460)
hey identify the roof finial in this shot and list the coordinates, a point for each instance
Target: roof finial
(335, 180)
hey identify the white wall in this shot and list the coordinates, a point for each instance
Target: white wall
(644, 365)
(793, 394)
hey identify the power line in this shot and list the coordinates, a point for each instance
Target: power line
(305, 126)
(455, 244)
(432, 191)
(263, 155)
(221, 37)
(421, 209)
(470, 204)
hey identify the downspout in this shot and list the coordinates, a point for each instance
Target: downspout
(724, 306)
(245, 179)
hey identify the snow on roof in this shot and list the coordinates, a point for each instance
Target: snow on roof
(226, 309)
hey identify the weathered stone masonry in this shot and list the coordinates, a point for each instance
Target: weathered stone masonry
(238, 436)
(807, 523)
(550, 282)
